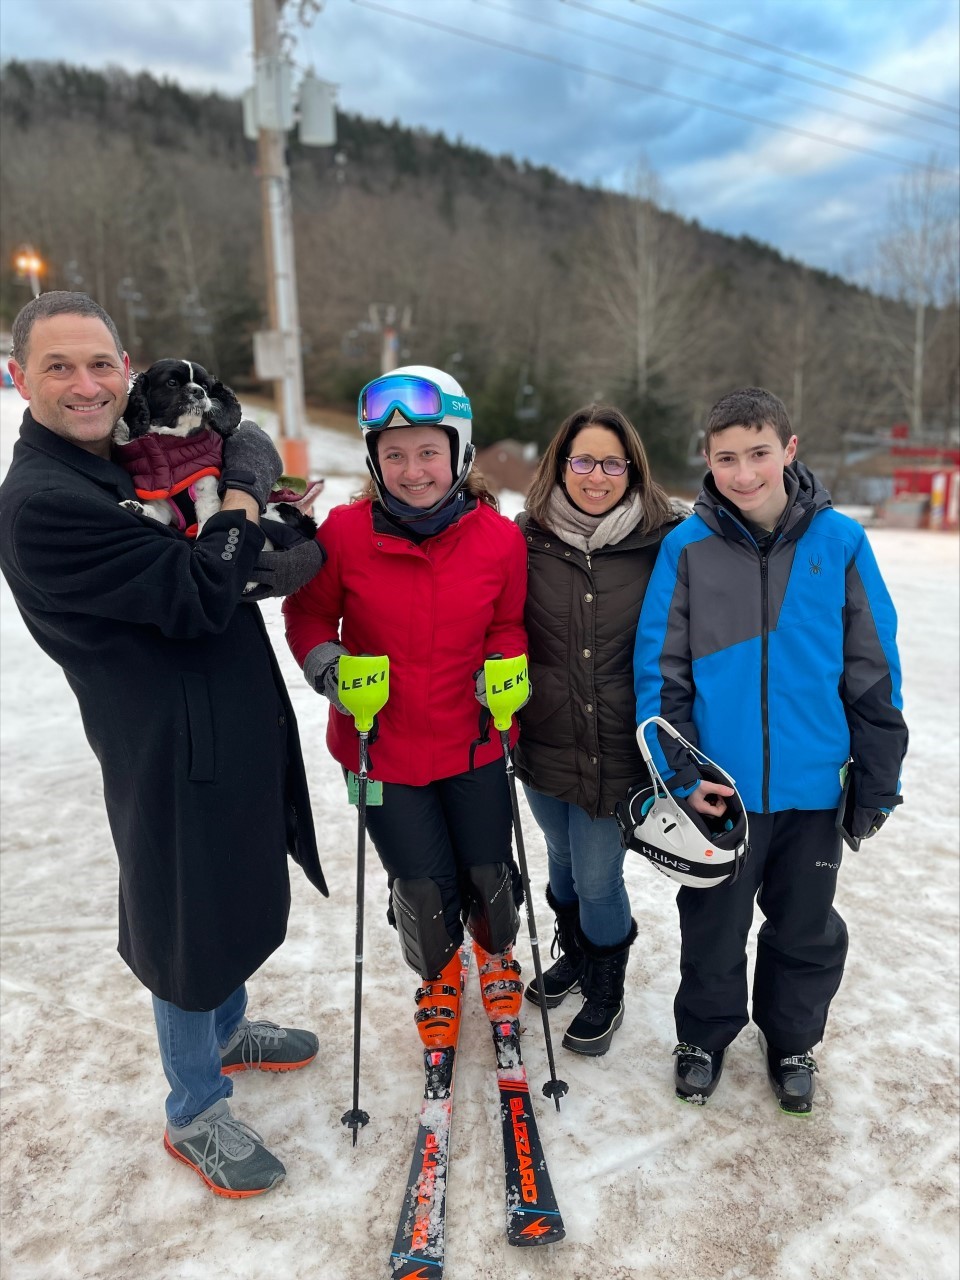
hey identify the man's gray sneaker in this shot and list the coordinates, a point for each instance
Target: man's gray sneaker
(228, 1155)
(263, 1046)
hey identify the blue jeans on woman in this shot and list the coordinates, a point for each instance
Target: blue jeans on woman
(585, 864)
(190, 1045)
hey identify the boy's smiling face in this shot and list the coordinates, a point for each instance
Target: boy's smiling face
(747, 466)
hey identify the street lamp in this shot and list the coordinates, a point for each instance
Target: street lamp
(29, 263)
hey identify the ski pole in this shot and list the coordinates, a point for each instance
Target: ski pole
(364, 686)
(507, 684)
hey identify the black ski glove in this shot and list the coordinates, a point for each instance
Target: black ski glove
(250, 463)
(288, 562)
(321, 670)
(867, 822)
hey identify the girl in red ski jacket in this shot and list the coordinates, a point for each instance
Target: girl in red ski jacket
(424, 569)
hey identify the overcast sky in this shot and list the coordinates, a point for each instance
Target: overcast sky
(612, 81)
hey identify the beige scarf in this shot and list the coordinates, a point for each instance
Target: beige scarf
(589, 533)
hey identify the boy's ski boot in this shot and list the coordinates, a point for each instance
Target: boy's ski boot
(696, 1072)
(791, 1077)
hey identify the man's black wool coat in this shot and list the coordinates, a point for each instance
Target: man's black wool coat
(182, 702)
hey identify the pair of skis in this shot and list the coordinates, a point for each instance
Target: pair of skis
(532, 1214)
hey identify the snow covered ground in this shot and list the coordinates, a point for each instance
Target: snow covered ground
(649, 1187)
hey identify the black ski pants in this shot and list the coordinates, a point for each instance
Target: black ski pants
(801, 946)
(437, 831)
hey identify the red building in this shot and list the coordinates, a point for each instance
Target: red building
(926, 482)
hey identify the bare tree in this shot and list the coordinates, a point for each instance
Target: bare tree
(917, 264)
(646, 293)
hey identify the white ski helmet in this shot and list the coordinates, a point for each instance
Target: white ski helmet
(418, 396)
(696, 849)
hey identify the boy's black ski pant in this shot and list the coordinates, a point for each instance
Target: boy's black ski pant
(801, 946)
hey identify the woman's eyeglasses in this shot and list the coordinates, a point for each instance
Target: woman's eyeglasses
(583, 464)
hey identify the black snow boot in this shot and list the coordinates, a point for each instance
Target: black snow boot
(791, 1077)
(592, 1030)
(563, 976)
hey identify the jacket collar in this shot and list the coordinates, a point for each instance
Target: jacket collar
(101, 470)
(382, 522)
(806, 496)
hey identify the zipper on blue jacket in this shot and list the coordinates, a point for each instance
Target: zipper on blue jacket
(764, 710)
(764, 652)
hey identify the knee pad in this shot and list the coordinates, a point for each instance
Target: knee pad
(492, 915)
(424, 941)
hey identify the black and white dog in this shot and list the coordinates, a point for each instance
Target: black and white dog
(191, 413)
(170, 440)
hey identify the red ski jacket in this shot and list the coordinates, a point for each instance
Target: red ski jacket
(437, 610)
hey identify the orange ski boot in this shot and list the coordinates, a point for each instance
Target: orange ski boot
(438, 1006)
(500, 984)
(438, 1023)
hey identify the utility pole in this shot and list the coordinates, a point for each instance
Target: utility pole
(285, 362)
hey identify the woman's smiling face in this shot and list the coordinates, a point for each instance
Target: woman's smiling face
(596, 493)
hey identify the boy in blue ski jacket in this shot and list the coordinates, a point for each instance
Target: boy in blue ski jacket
(768, 639)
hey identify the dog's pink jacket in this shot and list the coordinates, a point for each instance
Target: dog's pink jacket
(437, 610)
(163, 465)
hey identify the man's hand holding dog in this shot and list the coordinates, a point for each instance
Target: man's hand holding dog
(251, 463)
(290, 562)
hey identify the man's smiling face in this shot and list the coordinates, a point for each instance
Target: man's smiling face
(75, 379)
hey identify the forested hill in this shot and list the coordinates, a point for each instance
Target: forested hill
(541, 292)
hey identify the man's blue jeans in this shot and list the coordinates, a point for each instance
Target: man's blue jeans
(585, 862)
(190, 1045)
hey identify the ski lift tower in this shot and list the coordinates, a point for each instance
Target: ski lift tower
(268, 113)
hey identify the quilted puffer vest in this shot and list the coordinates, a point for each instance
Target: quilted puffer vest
(161, 465)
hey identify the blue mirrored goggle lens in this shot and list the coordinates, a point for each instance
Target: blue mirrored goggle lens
(414, 396)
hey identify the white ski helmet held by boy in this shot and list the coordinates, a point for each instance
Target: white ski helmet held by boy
(418, 396)
(698, 850)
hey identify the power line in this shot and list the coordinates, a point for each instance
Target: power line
(789, 53)
(805, 103)
(644, 88)
(754, 62)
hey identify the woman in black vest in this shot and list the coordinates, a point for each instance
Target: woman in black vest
(594, 521)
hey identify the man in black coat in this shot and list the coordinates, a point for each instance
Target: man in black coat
(184, 705)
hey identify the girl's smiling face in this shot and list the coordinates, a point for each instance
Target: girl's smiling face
(415, 464)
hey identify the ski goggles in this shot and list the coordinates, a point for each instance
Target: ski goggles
(418, 399)
(582, 465)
